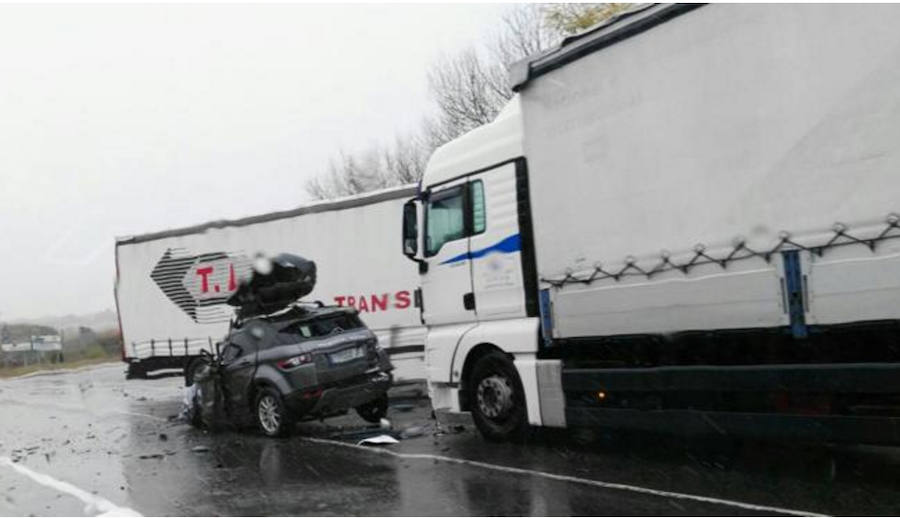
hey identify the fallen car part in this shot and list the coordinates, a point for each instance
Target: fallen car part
(378, 440)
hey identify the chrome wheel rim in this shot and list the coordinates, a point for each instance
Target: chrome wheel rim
(494, 396)
(269, 416)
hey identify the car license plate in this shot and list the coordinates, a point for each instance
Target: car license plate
(348, 354)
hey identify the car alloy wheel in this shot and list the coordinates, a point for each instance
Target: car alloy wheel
(270, 413)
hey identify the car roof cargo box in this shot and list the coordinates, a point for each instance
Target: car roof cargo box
(274, 284)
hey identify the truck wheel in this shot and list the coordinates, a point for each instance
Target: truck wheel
(373, 411)
(497, 399)
(272, 416)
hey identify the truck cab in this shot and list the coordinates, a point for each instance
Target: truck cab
(469, 229)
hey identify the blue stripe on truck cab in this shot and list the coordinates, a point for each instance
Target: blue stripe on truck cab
(507, 245)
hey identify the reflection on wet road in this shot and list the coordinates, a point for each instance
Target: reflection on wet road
(113, 440)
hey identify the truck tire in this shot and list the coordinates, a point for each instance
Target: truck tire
(374, 410)
(497, 399)
(272, 416)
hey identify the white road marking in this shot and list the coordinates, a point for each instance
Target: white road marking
(93, 504)
(567, 478)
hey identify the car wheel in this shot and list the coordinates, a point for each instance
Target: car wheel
(373, 411)
(272, 416)
(497, 399)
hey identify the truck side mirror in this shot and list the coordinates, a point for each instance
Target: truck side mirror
(410, 230)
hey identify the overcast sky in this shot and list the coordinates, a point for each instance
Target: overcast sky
(118, 120)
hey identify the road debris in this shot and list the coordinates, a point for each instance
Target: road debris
(412, 431)
(151, 456)
(378, 440)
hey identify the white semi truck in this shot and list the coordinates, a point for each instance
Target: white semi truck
(686, 220)
(171, 286)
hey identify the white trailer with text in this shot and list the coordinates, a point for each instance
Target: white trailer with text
(686, 220)
(171, 286)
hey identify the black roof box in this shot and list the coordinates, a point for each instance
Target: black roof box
(274, 284)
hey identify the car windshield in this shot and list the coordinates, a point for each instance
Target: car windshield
(316, 328)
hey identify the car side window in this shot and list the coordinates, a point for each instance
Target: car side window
(445, 221)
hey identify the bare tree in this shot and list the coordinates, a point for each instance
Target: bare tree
(523, 32)
(568, 19)
(472, 87)
(347, 175)
(372, 169)
(405, 162)
(469, 89)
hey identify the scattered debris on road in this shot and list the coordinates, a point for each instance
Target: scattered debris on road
(151, 456)
(378, 440)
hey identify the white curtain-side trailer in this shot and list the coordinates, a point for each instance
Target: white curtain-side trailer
(686, 220)
(171, 286)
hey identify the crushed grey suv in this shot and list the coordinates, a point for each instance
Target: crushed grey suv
(303, 361)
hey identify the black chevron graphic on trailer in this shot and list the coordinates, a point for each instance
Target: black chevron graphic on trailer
(171, 272)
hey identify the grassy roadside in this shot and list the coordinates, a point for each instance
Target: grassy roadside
(12, 372)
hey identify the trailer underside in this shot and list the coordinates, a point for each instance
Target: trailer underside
(838, 383)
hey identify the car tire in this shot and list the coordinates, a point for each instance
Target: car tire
(497, 399)
(271, 414)
(375, 410)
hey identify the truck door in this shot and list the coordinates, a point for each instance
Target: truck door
(496, 244)
(447, 286)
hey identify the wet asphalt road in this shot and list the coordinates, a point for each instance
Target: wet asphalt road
(113, 441)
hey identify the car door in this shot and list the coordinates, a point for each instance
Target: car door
(447, 284)
(239, 366)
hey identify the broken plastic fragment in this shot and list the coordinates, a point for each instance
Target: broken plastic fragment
(378, 439)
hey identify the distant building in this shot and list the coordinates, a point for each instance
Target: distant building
(36, 348)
